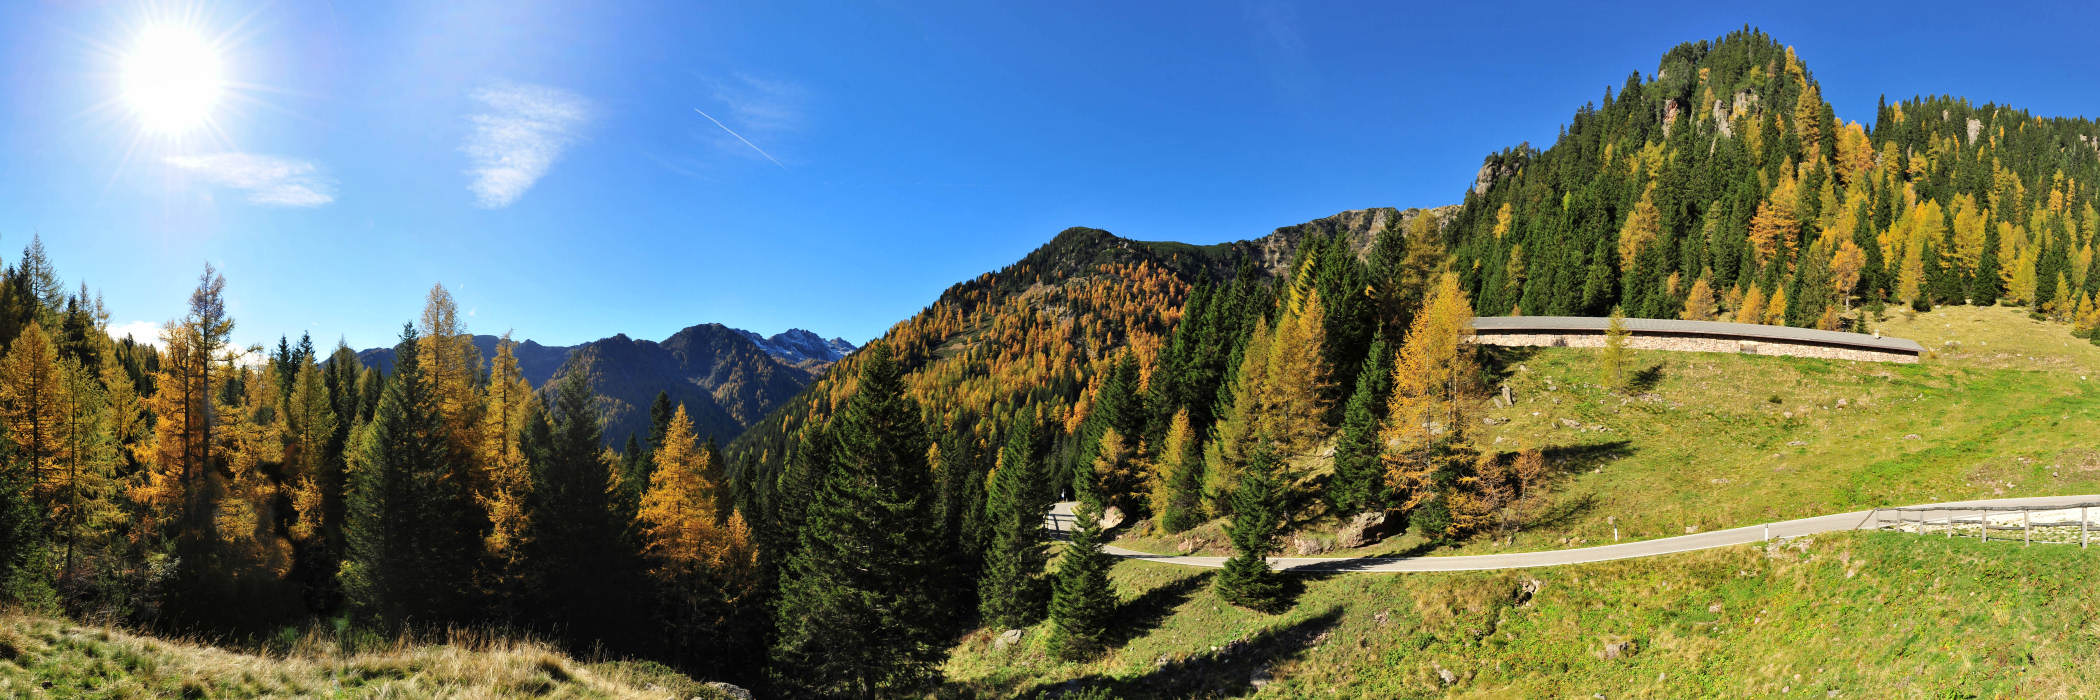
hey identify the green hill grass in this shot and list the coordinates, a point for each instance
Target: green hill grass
(1867, 614)
(46, 657)
(2002, 406)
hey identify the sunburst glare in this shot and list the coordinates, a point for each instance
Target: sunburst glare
(173, 78)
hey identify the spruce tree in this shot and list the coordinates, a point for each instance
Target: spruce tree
(574, 561)
(1011, 593)
(1358, 472)
(1082, 603)
(1987, 285)
(855, 617)
(410, 553)
(1247, 581)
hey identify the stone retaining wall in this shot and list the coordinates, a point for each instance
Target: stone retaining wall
(1693, 343)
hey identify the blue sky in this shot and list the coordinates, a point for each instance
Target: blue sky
(550, 162)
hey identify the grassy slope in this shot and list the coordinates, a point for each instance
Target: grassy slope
(1862, 614)
(2004, 406)
(44, 657)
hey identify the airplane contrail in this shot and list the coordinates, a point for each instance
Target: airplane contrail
(740, 137)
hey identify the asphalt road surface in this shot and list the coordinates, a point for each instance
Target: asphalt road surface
(1061, 518)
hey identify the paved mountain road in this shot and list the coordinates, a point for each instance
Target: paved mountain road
(1061, 515)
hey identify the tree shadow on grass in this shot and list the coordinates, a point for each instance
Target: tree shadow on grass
(1561, 514)
(1139, 615)
(1499, 362)
(1569, 459)
(1228, 670)
(1645, 380)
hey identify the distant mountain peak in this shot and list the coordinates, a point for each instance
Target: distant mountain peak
(800, 348)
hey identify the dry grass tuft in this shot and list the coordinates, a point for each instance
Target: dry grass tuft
(45, 657)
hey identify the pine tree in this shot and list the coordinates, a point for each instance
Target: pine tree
(1082, 602)
(1357, 471)
(660, 411)
(1988, 283)
(572, 558)
(855, 617)
(408, 552)
(1238, 425)
(1246, 580)
(1011, 592)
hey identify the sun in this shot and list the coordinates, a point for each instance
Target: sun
(173, 78)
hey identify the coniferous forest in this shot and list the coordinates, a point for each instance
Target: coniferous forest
(840, 546)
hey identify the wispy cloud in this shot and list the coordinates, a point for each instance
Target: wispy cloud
(523, 131)
(268, 180)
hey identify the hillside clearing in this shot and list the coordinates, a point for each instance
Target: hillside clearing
(1869, 614)
(1709, 441)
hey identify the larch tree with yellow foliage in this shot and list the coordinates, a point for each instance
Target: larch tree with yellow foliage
(1435, 384)
(508, 408)
(701, 559)
(1292, 396)
(32, 387)
(452, 366)
(1699, 302)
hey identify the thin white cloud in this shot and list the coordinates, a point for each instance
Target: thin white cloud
(268, 180)
(760, 105)
(145, 332)
(513, 143)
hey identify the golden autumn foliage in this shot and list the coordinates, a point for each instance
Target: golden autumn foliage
(1174, 462)
(310, 421)
(1699, 302)
(508, 404)
(1237, 431)
(1291, 406)
(452, 365)
(1752, 309)
(682, 529)
(32, 388)
(1643, 225)
(1434, 388)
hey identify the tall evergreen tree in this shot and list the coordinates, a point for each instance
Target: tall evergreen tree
(574, 560)
(855, 617)
(1011, 592)
(1082, 603)
(1358, 473)
(1987, 285)
(409, 554)
(1247, 581)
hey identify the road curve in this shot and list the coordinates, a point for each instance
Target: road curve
(1061, 514)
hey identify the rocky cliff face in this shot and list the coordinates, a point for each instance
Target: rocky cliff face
(1274, 251)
